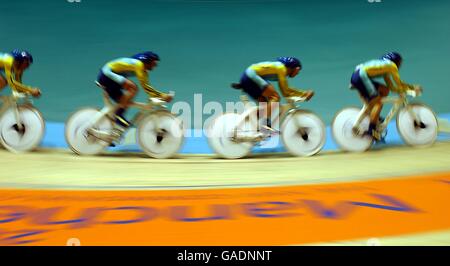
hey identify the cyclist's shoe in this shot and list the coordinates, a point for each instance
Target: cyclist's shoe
(381, 139)
(380, 132)
(376, 135)
(383, 136)
(373, 132)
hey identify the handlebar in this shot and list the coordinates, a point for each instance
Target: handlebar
(291, 100)
(19, 95)
(411, 93)
(295, 99)
(15, 97)
(160, 102)
(401, 97)
(153, 102)
(156, 101)
(414, 93)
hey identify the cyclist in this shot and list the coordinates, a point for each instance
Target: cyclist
(13, 65)
(114, 80)
(255, 82)
(372, 92)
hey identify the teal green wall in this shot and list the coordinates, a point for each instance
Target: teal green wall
(205, 45)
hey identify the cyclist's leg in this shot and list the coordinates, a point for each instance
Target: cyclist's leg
(115, 91)
(358, 84)
(377, 105)
(266, 95)
(376, 102)
(368, 91)
(126, 99)
(383, 91)
(271, 98)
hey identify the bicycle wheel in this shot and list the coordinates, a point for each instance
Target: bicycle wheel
(24, 138)
(220, 136)
(79, 141)
(422, 134)
(160, 135)
(303, 133)
(342, 130)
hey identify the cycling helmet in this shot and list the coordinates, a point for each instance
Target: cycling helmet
(22, 56)
(290, 62)
(146, 57)
(394, 57)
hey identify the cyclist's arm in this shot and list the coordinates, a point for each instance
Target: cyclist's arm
(291, 92)
(282, 81)
(15, 80)
(394, 82)
(142, 76)
(286, 91)
(388, 81)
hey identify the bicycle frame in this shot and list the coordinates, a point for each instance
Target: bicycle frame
(398, 103)
(285, 109)
(144, 109)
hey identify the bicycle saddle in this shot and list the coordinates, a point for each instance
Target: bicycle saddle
(236, 86)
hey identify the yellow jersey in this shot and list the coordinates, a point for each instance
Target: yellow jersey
(273, 71)
(13, 75)
(386, 69)
(119, 69)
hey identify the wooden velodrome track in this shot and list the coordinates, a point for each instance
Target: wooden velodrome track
(61, 170)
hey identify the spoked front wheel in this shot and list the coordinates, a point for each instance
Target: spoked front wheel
(303, 133)
(344, 134)
(25, 134)
(160, 135)
(417, 133)
(77, 135)
(222, 137)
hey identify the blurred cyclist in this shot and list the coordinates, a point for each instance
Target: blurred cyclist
(255, 82)
(14, 64)
(114, 75)
(372, 92)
